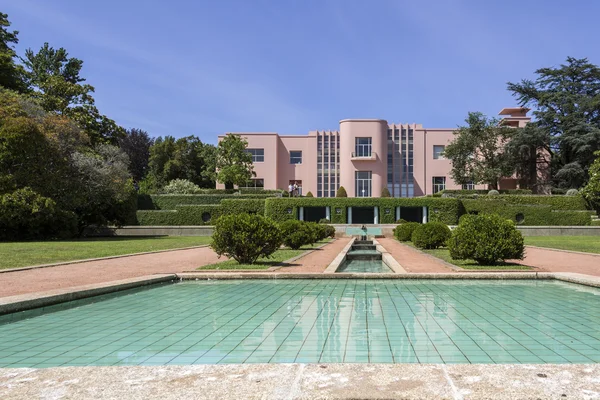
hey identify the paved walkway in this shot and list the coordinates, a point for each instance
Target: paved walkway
(549, 260)
(63, 276)
(412, 260)
(318, 260)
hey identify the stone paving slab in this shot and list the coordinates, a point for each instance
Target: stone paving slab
(306, 381)
(553, 260)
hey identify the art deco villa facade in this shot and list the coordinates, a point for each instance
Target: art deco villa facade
(364, 156)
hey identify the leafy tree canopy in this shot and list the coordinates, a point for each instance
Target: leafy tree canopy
(478, 151)
(136, 144)
(11, 74)
(234, 164)
(566, 102)
(591, 192)
(185, 158)
(57, 84)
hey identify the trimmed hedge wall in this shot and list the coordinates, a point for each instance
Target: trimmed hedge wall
(532, 214)
(248, 206)
(442, 210)
(461, 192)
(556, 202)
(182, 215)
(170, 201)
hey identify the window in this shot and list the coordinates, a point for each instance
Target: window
(254, 184)
(439, 183)
(437, 152)
(295, 157)
(362, 147)
(258, 155)
(363, 183)
(469, 185)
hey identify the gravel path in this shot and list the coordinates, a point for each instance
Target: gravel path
(42, 279)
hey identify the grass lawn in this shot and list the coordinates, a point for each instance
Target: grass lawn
(444, 254)
(23, 254)
(588, 244)
(265, 263)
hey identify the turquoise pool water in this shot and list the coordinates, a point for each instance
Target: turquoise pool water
(337, 320)
(376, 266)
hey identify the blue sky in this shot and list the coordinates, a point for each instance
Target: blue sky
(289, 66)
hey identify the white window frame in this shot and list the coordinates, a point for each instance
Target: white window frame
(439, 154)
(363, 149)
(254, 185)
(363, 186)
(438, 187)
(255, 156)
(295, 158)
(468, 186)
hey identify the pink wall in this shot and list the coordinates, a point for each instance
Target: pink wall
(277, 171)
(376, 129)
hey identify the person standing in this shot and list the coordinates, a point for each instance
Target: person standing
(291, 189)
(295, 189)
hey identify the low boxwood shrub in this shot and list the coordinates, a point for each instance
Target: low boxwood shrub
(572, 192)
(431, 235)
(245, 237)
(403, 232)
(401, 221)
(296, 234)
(323, 231)
(487, 239)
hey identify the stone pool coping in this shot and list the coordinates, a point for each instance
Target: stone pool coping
(306, 381)
(13, 304)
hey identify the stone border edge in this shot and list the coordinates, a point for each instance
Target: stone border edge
(24, 302)
(58, 264)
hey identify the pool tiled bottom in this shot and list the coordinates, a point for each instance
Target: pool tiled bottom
(337, 320)
(375, 266)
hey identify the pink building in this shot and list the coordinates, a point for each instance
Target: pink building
(364, 156)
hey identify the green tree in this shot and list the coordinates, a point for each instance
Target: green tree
(57, 83)
(233, 163)
(184, 158)
(530, 151)
(591, 191)
(136, 144)
(566, 103)
(478, 151)
(11, 74)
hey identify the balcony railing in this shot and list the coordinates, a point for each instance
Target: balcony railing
(363, 155)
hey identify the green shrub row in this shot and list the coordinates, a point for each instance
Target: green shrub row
(461, 192)
(442, 210)
(556, 202)
(182, 215)
(528, 214)
(170, 201)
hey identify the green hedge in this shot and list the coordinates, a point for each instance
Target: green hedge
(556, 202)
(534, 214)
(442, 210)
(170, 201)
(182, 215)
(462, 192)
(248, 206)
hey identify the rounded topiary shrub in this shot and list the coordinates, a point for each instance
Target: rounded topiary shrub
(493, 193)
(403, 232)
(572, 192)
(431, 235)
(385, 192)
(309, 194)
(324, 221)
(341, 192)
(245, 237)
(401, 221)
(296, 234)
(487, 239)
